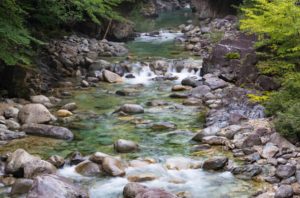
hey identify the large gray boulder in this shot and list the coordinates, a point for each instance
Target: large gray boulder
(48, 131)
(111, 77)
(55, 186)
(35, 113)
(216, 163)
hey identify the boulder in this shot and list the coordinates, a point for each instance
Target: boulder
(122, 30)
(215, 83)
(134, 190)
(208, 131)
(70, 106)
(132, 108)
(84, 83)
(144, 177)
(21, 186)
(12, 125)
(63, 113)
(18, 159)
(216, 163)
(181, 88)
(214, 140)
(55, 186)
(285, 171)
(88, 169)
(35, 113)
(284, 191)
(192, 102)
(38, 167)
(41, 99)
(247, 171)
(11, 112)
(57, 161)
(96, 67)
(48, 131)
(111, 77)
(22, 164)
(200, 91)
(98, 157)
(113, 167)
(189, 81)
(75, 158)
(125, 146)
(269, 150)
(251, 140)
(10, 135)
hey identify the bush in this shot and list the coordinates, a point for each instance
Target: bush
(232, 55)
(288, 122)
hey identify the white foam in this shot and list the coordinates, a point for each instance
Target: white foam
(162, 36)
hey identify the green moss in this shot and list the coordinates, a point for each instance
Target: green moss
(232, 55)
(258, 98)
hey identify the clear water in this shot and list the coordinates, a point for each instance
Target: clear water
(96, 128)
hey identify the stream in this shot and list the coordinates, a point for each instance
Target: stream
(97, 127)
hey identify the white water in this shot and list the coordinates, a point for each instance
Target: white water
(197, 183)
(163, 36)
(144, 75)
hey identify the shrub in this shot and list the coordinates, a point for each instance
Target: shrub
(232, 55)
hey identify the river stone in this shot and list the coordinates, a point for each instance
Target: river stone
(35, 113)
(21, 186)
(144, 177)
(55, 186)
(155, 192)
(125, 146)
(247, 171)
(285, 171)
(189, 81)
(251, 140)
(132, 108)
(88, 169)
(75, 158)
(41, 99)
(111, 77)
(70, 106)
(10, 135)
(200, 91)
(12, 125)
(269, 150)
(192, 102)
(163, 126)
(296, 188)
(48, 131)
(132, 189)
(84, 83)
(113, 167)
(214, 140)
(216, 163)
(63, 113)
(181, 88)
(284, 191)
(96, 67)
(38, 167)
(208, 131)
(57, 161)
(2, 126)
(215, 83)
(98, 157)
(11, 112)
(179, 95)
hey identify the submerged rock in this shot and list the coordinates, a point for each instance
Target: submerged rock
(125, 146)
(35, 113)
(70, 106)
(10, 135)
(163, 126)
(48, 131)
(55, 186)
(132, 108)
(63, 113)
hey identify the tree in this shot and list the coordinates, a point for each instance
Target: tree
(19, 19)
(277, 23)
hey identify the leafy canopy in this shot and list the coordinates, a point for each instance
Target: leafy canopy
(277, 23)
(19, 19)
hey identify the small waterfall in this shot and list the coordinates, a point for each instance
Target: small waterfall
(159, 36)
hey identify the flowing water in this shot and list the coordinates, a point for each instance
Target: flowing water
(97, 127)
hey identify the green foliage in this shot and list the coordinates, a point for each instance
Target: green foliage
(232, 55)
(288, 122)
(276, 67)
(277, 23)
(258, 98)
(20, 18)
